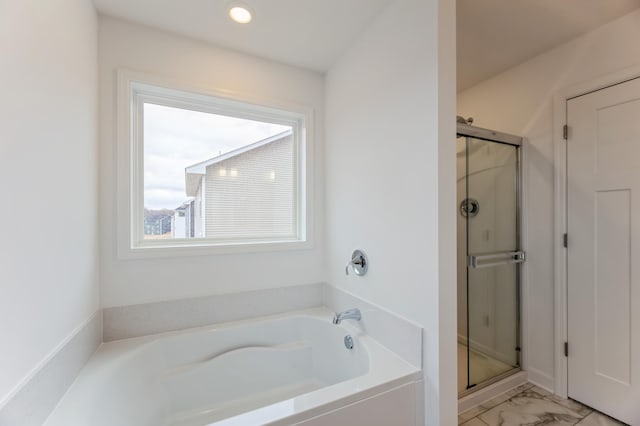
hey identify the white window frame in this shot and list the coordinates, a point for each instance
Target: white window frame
(133, 90)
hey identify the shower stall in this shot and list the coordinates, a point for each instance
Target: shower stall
(489, 255)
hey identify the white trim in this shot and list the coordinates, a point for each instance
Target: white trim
(560, 213)
(560, 253)
(130, 246)
(539, 378)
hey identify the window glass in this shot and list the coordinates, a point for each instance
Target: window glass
(215, 176)
(205, 171)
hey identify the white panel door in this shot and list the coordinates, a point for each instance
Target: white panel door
(603, 163)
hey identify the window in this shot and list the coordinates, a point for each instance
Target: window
(209, 171)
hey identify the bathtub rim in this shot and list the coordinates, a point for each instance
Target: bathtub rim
(380, 378)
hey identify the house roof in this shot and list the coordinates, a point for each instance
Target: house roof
(184, 205)
(194, 173)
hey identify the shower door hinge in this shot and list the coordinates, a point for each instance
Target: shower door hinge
(565, 240)
(566, 349)
(565, 132)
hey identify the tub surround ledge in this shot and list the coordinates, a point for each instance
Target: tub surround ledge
(124, 322)
(39, 393)
(394, 332)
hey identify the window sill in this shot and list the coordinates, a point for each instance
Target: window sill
(168, 250)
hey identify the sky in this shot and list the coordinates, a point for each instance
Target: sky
(176, 138)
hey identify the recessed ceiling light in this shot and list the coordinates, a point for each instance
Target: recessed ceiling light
(240, 14)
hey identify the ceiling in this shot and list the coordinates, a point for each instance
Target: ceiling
(495, 35)
(492, 35)
(311, 34)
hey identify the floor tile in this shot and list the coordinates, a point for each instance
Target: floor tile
(474, 422)
(530, 408)
(572, 405)
(529, 405)
(494, 401)
(470, 413)
(518, 389)
(479, 409)
(538, 389)
(598, 419)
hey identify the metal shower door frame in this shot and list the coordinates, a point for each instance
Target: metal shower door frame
(517, 257)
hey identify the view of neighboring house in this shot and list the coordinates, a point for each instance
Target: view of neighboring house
(184, 220)
(157, 222)
(179, 221)
(248, 192)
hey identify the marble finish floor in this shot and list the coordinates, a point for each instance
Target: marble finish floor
(529, 405)
(483, 367)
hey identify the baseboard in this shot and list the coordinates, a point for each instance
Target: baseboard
(38, 394)
(543, 380)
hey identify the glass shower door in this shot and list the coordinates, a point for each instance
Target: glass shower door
(491, 209)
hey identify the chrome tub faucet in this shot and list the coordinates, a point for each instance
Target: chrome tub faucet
(348, 314)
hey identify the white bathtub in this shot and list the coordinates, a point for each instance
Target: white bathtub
(275, 370)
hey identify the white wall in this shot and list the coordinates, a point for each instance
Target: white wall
(48, 179)
(519, 101)
(194, 63)
(390, 173)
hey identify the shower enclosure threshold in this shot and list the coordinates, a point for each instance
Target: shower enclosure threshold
(487, 390)
(488, 382)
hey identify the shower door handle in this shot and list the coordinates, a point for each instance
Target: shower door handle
(494, 259)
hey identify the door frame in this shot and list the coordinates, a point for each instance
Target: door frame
(560, 220)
